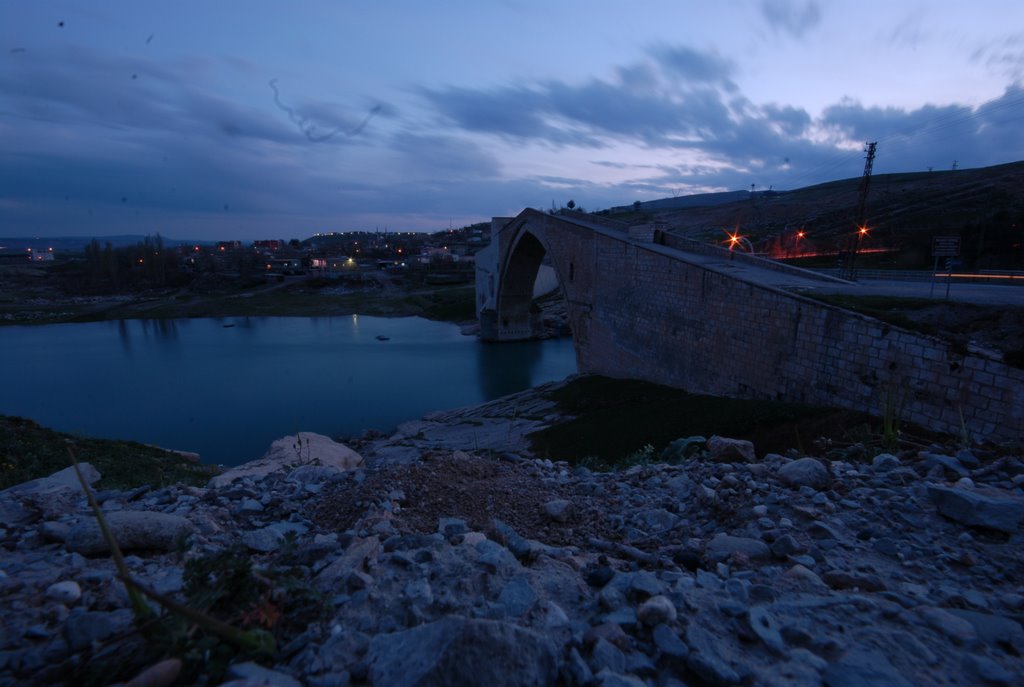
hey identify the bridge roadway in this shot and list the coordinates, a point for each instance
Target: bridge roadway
(809, 282)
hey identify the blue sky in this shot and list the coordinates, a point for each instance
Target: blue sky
(207, 120)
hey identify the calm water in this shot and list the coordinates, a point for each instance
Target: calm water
(226, 392)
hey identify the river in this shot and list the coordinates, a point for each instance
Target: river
(227, 387)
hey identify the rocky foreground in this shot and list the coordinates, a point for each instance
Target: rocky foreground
(723, 567)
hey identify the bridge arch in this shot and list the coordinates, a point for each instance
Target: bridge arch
(507, 272)
(517, 313)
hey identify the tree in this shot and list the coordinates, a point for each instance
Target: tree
(571, 204)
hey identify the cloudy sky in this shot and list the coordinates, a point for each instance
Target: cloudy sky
(205, 119)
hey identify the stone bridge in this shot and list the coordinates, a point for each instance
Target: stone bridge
(647, 305)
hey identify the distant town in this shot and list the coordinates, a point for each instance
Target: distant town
(119, 263)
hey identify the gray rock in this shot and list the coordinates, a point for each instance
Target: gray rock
(451, 527)
(517, 596)
(63, 479)
(712, 669)
(804, 472)
(56, 502)
(764, 625)
(607, 656)
(956, 628)
(861, 667)
(131, 530)
(669, 643)
(994, 630)
(506, 535)
(681, 449)
(255, 674)
(722, 546)
(706, 660)
(944, 463)
(786, 545)
(162, 674)
(657, 520)
(884, 462)
(576, 671)
(353, 560)
(844, 579)
(289, 453)
(66, 592)
(607, 678)
(495, 558)
(82, 629)
(656, 611)
(13, 513)
(263, 540)
(457, 650)
(558, 509)
(724, 450)
(314, 474)
(987, 670)
(989, 507)
(418, 593)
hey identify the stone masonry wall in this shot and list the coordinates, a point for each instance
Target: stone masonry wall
(640, 310)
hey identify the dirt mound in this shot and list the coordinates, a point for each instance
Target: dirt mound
(475, 489)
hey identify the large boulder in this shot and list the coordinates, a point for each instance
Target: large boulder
(989, 507)
(461, 651)
(725, 450)
(804, 472)
(131, 530)
(63, 479)
(722, 546)
(292, 452)
(47, 497)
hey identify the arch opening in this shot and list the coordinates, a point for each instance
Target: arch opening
(530, 297)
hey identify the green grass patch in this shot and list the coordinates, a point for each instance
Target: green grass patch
(617, 420)
(28, 451)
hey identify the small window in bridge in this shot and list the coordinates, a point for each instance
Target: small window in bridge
(572, 270)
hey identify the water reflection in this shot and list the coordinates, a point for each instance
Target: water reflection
(504, 368)
(228, 392)
(162, 330)
(125, 336)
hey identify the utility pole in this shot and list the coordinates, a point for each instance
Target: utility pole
(862, 197)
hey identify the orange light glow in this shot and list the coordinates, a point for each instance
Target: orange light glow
(956, 275)
(800, 234)
(863, 231)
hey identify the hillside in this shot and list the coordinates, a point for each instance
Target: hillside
(985, 207)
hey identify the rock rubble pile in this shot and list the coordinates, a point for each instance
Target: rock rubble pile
(721, 568)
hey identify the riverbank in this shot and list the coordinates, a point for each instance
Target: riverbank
(417, 561)
(33, 295)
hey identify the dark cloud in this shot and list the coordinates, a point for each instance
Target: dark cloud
(794, 17)
(691, 66)
(511, 112)
(934, 136)
(100, 91)
(443, 157)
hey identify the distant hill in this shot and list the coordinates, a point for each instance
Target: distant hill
(984, 206)
(680, 202)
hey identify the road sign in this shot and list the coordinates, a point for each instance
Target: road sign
(945, 246)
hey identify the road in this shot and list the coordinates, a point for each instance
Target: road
(803, 281)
